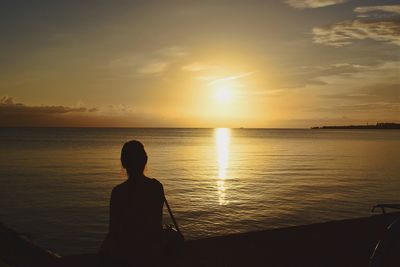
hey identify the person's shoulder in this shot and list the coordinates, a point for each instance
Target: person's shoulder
(120, 187)
(155, 183)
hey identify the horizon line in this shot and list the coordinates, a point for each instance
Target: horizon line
(151, 127)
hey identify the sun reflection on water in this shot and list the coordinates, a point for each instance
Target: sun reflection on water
(222, 138)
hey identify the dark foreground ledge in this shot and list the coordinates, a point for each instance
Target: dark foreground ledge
(336, 243)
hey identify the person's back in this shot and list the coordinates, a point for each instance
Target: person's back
(136, 205)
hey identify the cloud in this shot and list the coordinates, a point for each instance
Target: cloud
(351, 96)
(373, 111)
(380, 102)
(153, 68)
(150, 62)
(18, 114)
(230, 78)
(14, 114)
(8, 106)
(315, 75)
(365, 108)
(389, 93)
(389, 9)
(313, 3)
(7, 100)
(174, 51)
(196, 66)
(373, 26)
(269, 92)
(344, 33)
(373, 82)
(337, 69)
(161, 59)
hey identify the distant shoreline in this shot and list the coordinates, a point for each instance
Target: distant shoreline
(154, 128)
(200, 128)
(378, 126)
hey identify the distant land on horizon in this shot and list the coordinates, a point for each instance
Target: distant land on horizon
(384, 125)
(366, 126)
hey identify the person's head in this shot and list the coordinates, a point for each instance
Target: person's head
(133, 158)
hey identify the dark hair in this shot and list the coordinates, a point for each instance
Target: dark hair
(133, 158)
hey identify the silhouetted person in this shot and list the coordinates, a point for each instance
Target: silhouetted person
(135, 227)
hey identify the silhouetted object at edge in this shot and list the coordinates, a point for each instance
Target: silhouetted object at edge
(387, 251)
(135, 228)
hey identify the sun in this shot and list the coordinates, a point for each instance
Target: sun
(223, 94)
(223, 91)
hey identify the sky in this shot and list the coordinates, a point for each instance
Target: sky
(205, 63)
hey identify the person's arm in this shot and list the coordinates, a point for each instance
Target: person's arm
(155, 208)
(107, 245)
(112, 224)
(161, 203)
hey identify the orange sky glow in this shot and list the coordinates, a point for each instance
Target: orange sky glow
(292, 63)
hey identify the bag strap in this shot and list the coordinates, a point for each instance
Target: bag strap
(172, 216)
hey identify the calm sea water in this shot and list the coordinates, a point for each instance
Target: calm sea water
(55, 183)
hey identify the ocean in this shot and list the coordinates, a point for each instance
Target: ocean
(55, 183)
